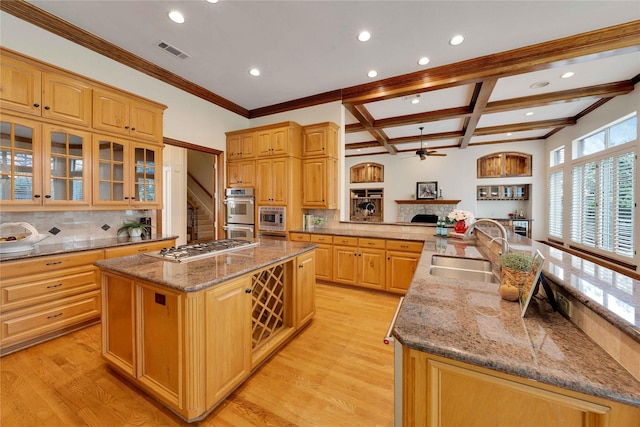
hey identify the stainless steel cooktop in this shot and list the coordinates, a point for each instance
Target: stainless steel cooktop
(192, 252)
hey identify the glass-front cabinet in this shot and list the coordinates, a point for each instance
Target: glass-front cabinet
(503, 192)
(127, 173)
(43, 164)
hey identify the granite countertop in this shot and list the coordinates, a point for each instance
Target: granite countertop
(468, 321)
(203, 273)
(44, 249)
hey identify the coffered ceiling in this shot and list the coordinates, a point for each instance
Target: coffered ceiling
(476, 93)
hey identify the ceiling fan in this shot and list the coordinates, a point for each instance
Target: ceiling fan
(422, 153)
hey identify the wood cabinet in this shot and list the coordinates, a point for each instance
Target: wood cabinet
(503, 192)
(438, 391)
(282, 139)
(504, 164)
(45, 165)
(123, 115)
(241, 145)
(273, 176)
(127, 173)
(320, 187)
(324, 256)
(359, 262)
(320, 140)
(46, 297)
(28, 89)
(305, 290)
(367, 204)
(402, 261)
(241, 174)
(367, 172)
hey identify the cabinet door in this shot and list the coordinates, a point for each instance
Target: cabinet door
(305, 289)
(241, 146)
(265, 189)
(319, 183)
(344, 264)
(160, 342)
(273, 179)
(65, 98)
(111, 112)
(228, 326)
(324, 264)
(146, 173)
(145, 121)
(264, 143)
(20, 86)
(118, 322)
(247, 173)
(371, 267)
(280, 142)
(400, 268)
(21, 162)
(67, 179)
(110, 171)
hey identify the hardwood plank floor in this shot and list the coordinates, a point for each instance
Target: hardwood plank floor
(336, 372)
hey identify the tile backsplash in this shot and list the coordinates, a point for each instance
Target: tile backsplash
(69, 226)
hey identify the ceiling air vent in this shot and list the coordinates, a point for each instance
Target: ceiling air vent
(172, 50)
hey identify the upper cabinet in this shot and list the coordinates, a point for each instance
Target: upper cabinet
(367, 172)
(241, 145)
(320, 166)
(113, 112)
(282, 139)
(504, 164)
(320, 140)
(27, 89)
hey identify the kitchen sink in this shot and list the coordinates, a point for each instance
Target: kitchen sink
(461, 262)
(462, 268)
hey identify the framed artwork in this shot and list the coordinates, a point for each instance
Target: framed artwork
(427, 190)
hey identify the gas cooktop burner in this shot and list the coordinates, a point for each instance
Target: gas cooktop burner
(186, 253)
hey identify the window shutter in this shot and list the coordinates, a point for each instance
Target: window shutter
(624, 188)
(555, 204)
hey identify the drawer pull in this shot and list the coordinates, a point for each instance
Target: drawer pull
(370, 243)
(404, 246)
(54, 316)
(54, 286)
(143, 249)
(54, 263)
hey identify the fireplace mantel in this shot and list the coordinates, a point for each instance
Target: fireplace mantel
(428, 202)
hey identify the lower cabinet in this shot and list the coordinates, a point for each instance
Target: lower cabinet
(45, 297)
(324, 256)
(438, 391)
(138, 248)
(359, 262)
(402, 261)
(190, 350)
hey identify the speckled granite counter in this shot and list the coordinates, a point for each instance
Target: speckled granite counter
(200, 274)
(44, 249)
(468, 321)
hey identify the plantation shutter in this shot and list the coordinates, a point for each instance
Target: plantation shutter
(625, 204)
(555, 204)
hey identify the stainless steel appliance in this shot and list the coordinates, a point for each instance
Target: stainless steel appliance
(192, 252)
(239, 231)
(272, 218)
(521, 228)
(239, 206)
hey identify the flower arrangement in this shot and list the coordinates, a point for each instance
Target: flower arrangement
(460, 215)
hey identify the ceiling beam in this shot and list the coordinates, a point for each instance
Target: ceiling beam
(602, 43)
(414, 119)
(361, 113)
(520, 127)
(478, 103)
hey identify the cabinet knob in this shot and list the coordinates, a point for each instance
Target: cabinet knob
(47, 196)
(126, 127)
(126, 198)
(36, 105)
(133, 128)
(247, 291)
(47, 107)
(300, 266)
(37, 196)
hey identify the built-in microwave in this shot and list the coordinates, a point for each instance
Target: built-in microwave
(272, 218)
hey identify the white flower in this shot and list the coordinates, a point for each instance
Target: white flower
(460, 215)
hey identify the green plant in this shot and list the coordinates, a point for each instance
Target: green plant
(132, 225)
(516, 261)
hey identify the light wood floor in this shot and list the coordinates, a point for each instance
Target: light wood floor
(337, 372)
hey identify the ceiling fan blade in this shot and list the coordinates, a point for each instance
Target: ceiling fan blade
(438, 154)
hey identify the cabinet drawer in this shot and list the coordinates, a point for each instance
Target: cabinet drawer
(345, 241)
(25, 267)
(404, 245)
(18, 292)
(137, 249)
(20, 325)
(372, 243)
(322, 238)
(299, 237)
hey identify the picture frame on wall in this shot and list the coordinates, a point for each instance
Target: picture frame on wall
(427, 190)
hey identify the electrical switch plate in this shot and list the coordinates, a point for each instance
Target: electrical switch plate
(564, 305)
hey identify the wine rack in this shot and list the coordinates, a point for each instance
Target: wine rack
(268, 303)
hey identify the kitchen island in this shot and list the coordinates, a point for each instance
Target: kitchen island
(190, 333)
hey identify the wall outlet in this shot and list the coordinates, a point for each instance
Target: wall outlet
(564, 305)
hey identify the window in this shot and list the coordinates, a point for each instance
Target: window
(603, 203)
(557, 157)
(613, 135)
(555, 204)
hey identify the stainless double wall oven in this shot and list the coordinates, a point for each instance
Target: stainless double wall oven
(240, 211)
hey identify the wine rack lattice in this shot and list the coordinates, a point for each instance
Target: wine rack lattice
(268, 304)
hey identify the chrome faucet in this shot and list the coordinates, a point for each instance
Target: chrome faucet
(503, 232)
(504, 242)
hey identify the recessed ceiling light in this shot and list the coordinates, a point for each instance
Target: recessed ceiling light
(212, 1)
(415, 100)
(456, 40)
(567, 75)
(529, 113)
(372, 73)
(508, 133)
(254, 72)
(364, 36)
(176, 17)
(423, 61)
(538, 85)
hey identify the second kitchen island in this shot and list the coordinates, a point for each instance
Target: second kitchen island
(190, 333)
